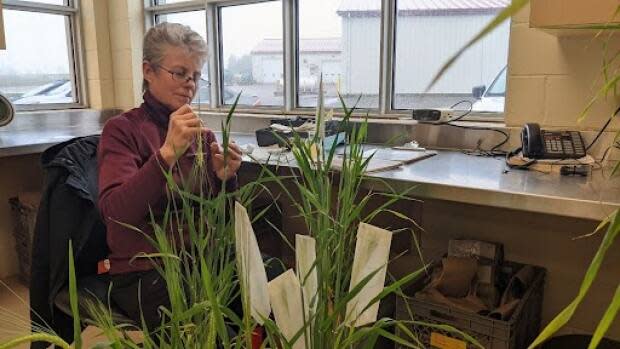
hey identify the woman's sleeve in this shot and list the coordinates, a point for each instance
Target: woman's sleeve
(127, 188)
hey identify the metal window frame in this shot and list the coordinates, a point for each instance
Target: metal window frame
(290, 20)
(290, 17)
(152, 10)
(389, 19)
(74, 46)
(374, 112)
(217, 59)
(214, 43)
(388, 39)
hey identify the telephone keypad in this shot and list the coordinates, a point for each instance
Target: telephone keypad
(563, 144)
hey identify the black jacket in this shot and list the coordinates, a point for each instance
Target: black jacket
(67, 211)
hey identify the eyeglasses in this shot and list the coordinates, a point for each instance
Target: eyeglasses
(182, 77)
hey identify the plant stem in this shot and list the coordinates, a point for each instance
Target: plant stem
(36, 337)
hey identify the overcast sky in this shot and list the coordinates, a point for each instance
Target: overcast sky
(36, 43)
(245, 26)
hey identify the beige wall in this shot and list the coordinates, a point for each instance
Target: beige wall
(113, 31)
(25, 175)
(552, 77)
(96, 40)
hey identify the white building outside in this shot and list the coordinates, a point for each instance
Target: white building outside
(316, 56)
(428, 32)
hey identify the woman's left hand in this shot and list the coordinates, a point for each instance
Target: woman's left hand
(224, 170)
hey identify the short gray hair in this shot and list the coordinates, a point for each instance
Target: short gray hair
(171, 34)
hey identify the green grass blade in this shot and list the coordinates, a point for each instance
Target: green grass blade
(35, 337)
(614, 171)
(603, 91)
(211, 296)
(606, 321)
(565, 315)
(450, 329)
(394, 287)
(505, 14)
(73, 300)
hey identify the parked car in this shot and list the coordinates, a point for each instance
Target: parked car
(58, 91)
(493, 98)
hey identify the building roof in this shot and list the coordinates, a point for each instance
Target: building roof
(318, 45)
(347, 6)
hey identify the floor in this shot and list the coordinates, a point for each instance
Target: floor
(14, 314)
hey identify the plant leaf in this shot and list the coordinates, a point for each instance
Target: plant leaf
(606, 321)
(73, 301)
(506, 13)
(565, 315)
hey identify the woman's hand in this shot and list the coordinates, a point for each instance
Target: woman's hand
(183, 128)
(224, 170)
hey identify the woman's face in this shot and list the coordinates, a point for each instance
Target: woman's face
(173, 82)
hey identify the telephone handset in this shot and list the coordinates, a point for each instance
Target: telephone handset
(541, 144)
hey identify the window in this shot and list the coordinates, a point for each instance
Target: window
(335, 41)
(197, 21)
(498, 87)
(428, 33)
(252, 53)
(276, 51)
(28, 78)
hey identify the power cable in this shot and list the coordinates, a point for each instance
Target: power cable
(478, 151)
(600, 132)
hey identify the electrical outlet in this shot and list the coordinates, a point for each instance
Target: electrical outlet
(432, 116)
(447, 115)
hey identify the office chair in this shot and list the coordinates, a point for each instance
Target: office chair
(68, 212)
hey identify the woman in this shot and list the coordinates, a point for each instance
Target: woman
(136, 147)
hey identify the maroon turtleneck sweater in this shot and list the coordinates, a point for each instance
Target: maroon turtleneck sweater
(132, 182)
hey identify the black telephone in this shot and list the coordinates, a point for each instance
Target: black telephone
(541, 144)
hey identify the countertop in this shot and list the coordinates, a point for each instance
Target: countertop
(449, 175)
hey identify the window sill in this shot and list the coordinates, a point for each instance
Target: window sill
(388, 119)
(33, 132)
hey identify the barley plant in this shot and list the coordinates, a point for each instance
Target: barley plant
(201, 271)
(332, 205)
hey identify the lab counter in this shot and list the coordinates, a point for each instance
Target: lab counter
(449, 175)
(455, 176)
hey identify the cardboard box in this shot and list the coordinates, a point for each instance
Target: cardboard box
(572, 13)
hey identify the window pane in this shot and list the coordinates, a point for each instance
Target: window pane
(197, 20)
(252, 53)
(341, 40)
(27, 76)
(428, 33)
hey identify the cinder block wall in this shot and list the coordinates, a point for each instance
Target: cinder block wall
(551, 78)
(113, 32)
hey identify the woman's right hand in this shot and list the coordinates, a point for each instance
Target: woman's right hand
(183, 128)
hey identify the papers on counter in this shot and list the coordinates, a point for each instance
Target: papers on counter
(383, 159)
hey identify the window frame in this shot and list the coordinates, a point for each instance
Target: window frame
(290, 16)
(152, 10)
(75, 46)
(218, 60)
